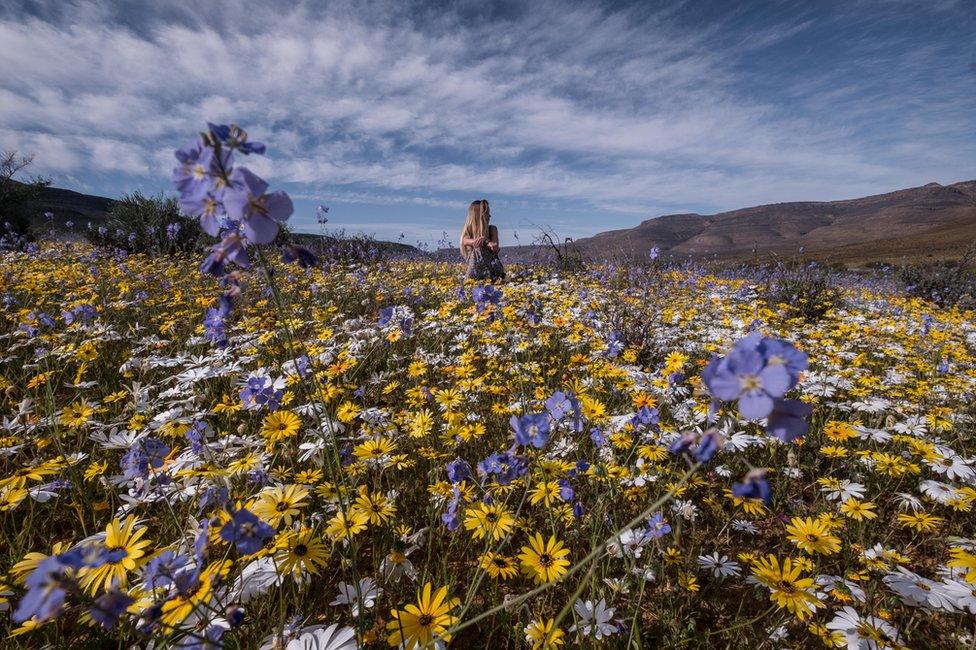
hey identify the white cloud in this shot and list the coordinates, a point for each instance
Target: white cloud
(624, 111)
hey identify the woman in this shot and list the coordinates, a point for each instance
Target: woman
(479, 244)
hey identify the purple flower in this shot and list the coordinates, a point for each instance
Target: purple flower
(172, 230)
(261, 392)
(566, 491)
(450, 516)
(246, 531)
(559, 405)
(504, 466)
(161, 571)
(683, 443)
(787, 420)
(657, 527)
(47, 584)
(247, 202)
(45, 591)
(708, 446)
(144, 454)
(108, 607)
(229, 249)
(197, 434)
(458, 470)
(747, 375)
(754, 486)
(300, 255)
(614, 345)
(484, 295)
(531, 429)
(655, 252)
(320, 214)
(598, 437)
(646, 416)
(199, 167)
(235, 137)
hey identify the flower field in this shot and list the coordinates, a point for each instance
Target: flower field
(310, 454)
(353, 438)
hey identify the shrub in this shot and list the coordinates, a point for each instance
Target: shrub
(808, 291)
(147, 224)
(946, 284)
(14, 197)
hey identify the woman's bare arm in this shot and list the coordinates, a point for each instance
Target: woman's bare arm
(493, 238)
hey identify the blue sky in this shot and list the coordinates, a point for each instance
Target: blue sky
(582, 116)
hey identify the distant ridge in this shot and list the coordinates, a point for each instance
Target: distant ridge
(929, 221)
(82, 209)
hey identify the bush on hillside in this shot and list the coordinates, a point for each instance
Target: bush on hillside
(147, 224)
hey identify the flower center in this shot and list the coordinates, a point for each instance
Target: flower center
(750, 383)
(545, 560)
(425, 620)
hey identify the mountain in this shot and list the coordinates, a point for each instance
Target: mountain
(68, 205)
(929, 221)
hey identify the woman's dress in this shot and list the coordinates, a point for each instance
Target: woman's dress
(483, 264)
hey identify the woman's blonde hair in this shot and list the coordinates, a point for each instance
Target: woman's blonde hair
(476, 225)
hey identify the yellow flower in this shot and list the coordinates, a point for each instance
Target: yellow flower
(280, 504)
(544, 561)
(421, 424)
(125, 549)
(374, 449)
(498, 566)
(343, 526)
(77, 414)
(375, 506)
(812, 536)
(11, 497)
(688, 582)
(280, 425)
(178, 608)
(920, 521)
(963, 559)
(788, 589)
(545, 492)
(491, 520)
(300, 552)
(416, 626)
(858, 510)
(347, 412)
(543, 634)
(95, 470)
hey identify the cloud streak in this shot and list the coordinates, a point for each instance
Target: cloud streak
(597, 110)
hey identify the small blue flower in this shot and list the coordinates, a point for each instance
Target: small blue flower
(657, 527)
(754, 486)
(531, 429)
(107, 608)
(246, 531)
(458, 470)
(145, 454)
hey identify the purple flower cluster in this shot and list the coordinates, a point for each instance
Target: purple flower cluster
(484, 295)
(232, 202)
(504, 466)
(145, 455)
(757, 373)
(49, 584)
(246, 532)
(261, 392)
